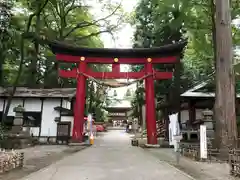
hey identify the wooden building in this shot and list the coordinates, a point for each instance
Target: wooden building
(46, 108)
(197, 100)
(117, 114)
(194, 102)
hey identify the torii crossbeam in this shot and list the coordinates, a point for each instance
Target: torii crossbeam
(169, 54)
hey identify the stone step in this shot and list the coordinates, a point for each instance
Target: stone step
(152, 145)
(78, 144)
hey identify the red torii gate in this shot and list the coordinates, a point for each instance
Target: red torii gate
(147, 57)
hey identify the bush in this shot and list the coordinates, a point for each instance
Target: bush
(2, 134)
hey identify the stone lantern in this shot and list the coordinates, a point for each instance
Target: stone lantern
(21, 135)
(208, 122)
(18, 119)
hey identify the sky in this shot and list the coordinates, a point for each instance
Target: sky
(126, 32)
(123, 38)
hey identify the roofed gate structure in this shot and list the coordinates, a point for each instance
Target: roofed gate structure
(169, 54)
(117, 114)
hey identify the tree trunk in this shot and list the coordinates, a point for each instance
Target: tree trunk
(33, 65)
(21, 62)
(90, 107)
(213, 14)
(225, 114)
(1, 68)
(13, 90)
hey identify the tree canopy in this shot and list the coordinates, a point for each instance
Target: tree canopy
(27, 63)
(160, 22)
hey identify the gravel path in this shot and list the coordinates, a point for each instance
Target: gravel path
(112, 157)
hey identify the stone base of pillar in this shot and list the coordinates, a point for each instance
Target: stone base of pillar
(152, 145)
(143, 141)
(77, 144)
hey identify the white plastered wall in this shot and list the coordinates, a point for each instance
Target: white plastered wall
(33, 105)
(49, 126)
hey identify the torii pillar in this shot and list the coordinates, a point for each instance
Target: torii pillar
(79, 106)
(150, 104)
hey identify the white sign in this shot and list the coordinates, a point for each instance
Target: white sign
(177, 138)
(89, 118)
(89, 123)
(203, 142)
(174, 131)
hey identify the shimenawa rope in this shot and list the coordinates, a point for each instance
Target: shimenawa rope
(118, 84)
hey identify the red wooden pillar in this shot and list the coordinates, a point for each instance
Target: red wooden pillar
(150, 105)
(116, 67)
(79, 104)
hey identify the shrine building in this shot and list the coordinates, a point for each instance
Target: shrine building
(45, 110)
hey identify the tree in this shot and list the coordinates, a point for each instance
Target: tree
(30, 63)
(22, 58)
(167, 21)
(5, 34)
(225, 114)
(159, 23)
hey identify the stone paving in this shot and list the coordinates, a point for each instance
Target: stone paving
(111, 158)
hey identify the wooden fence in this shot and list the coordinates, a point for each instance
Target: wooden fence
(234, 161)
(193, 152)
(214, 155)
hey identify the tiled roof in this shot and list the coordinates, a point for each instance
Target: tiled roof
(28, 92)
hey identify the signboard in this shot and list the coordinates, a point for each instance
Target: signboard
(203, 142)
(116, 114)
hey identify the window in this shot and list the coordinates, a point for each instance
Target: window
(32, 119)
(8, 122)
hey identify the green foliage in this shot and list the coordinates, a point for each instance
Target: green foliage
(160, 22)
(2, 133)
(63, 20)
